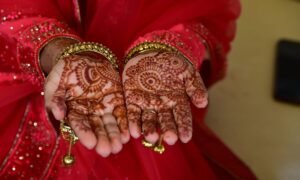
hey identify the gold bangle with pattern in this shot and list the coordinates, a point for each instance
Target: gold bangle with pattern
(89, 47)
(149, 46)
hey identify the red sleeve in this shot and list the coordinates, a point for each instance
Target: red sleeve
(189, 26)
(27, 26)
(213, 69)
(192, 40)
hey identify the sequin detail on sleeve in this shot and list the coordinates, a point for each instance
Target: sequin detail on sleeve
(32, 39)
(34, 148)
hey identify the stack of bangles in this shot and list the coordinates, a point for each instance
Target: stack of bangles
(89, 47)
(152, 46)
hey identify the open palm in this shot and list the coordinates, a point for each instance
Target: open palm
(86, 92)
(158, 87)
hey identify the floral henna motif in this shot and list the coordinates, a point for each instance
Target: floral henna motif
(89, 88)
(162, 82)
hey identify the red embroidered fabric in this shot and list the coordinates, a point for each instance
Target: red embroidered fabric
(179, 37)
(192, 40)
(30, 147)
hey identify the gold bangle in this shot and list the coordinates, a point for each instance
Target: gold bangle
(150, 46)
(146, 47)
(92, 47)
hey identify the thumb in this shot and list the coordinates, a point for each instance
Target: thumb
(196, 90)
(55, 92)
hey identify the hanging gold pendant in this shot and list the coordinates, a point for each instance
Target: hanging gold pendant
(69, 135)
(147, 144)
(158, 147)
(68, 160)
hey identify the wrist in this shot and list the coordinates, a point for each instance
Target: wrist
(52, 50)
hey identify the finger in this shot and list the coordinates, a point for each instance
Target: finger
(103, 145)
(80, 125)
(149, 120)
(120, 113)
(134, 119)
(196, 90)
(183, 118)
(113, 132)
(168, 126)
(55, 92)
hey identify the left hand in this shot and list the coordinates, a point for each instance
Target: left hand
(157, 90)
(86, 91)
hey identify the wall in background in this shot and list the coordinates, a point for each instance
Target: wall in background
(263, 132)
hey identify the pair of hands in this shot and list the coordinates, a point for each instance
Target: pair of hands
(86, 91)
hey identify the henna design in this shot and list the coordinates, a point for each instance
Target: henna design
(120, 111)
(134, 114)
(183, 118)
(89, 88)
(166, 120)
(149, 122)
(162, 81)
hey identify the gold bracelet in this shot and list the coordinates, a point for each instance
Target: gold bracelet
(146, 47)
(92, 47)
(150, 46)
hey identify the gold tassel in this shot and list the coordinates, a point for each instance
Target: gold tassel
(69, 135)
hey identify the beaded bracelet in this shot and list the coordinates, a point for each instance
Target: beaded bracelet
(89, 47)
(147, 47)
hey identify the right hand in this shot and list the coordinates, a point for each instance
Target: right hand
(86, 92)
(158, 89)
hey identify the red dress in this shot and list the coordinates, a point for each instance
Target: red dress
(30, 144)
